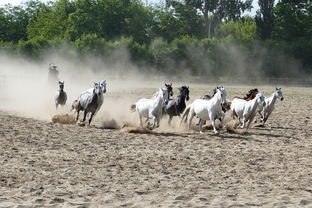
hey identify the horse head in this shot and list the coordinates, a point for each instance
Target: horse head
(278, 93)
(185, 92)
(223, 94)
(251, 94)
(165, 95)
(169, 88)
(103, 84)
(61, 85)
(98, 89)
(260, 99)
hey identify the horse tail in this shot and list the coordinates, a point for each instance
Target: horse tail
(133, 108)
(74, 106)
(185, 114)
(228, 106)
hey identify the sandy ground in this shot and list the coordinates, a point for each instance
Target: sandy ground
(53, 165)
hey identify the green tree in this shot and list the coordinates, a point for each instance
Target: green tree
(221, 10)
(242, 30)
(265, 19)
(164, 24)
(293, 20)
(186, 17)
(293, 29)
(50, 21)
(13, 23)
(109, 19)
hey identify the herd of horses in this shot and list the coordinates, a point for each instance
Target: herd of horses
(208, 107)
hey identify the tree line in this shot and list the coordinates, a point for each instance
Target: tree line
(212, 38)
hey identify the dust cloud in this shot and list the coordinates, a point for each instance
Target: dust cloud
(25, 90)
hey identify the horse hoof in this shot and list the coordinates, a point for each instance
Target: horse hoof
(81, 124)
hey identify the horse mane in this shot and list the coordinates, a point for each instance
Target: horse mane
(248, 95)
(208, 97)
(181, 89)
(250, 92)
(214, 92)
(155, 95)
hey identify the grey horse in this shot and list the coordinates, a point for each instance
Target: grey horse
(89, 103)
(61, 96)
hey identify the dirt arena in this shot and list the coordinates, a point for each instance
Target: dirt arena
(54, 165)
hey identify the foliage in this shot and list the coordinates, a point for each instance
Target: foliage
(265, 19)
(208, 38)
(242, 30)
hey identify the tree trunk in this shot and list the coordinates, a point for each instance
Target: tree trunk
(209, 27)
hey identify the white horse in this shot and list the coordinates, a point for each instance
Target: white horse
(206, 109)
(89, 103)
(152, 108)
(61, 96)
(246, 110)
(269, 107)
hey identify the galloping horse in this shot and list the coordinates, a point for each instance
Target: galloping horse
(90, 92)
(61, 96)
(246, 110)
(225, 107)
(90, 103)
(152, 108)
(249, 96)
(176, 106)
(206, 109)
(269, 107)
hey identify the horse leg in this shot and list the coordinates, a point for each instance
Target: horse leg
(157, 120)
(92, 114)
(222, 119)
(151, 116)
(140, 117)
(249, 122)
(200, 126)
(77, 115)
(233, 115)
(84, 115)
(191, 116)
(266, 117)
(244, 122)
(198, 123)
(261, 115)
(169, 121)
(146, 120)
(213, 122)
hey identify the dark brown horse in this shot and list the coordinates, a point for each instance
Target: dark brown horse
(250, 95)
(169, 88)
